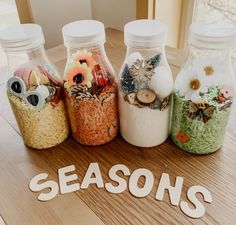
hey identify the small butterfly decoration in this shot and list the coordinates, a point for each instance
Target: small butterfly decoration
(202, 111)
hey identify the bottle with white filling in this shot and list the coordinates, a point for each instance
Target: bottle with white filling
(145, 85)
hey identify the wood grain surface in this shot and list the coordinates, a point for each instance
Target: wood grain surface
(19, 206)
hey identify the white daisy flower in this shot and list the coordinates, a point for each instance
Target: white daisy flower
(190, 85)
(210, 70)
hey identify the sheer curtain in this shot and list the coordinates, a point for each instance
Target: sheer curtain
(217, 10)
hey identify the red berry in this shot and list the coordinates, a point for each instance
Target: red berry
(100, 78)
(221, 99)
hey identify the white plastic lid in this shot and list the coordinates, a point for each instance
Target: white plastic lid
(83, 33)
(217, 34)
(145, 33)
(21, 37)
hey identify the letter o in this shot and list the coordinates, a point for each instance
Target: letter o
(148, 184)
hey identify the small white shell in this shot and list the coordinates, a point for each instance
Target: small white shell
(161, 82)
(132, 58)
(43, 90)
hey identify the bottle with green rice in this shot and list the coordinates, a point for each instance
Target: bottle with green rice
(204, 89)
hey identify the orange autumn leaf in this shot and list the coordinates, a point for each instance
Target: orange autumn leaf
(182, 137)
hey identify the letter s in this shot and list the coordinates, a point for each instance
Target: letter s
(122, 184)
(35, 187)
(199, 210)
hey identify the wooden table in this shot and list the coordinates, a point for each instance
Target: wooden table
(19, 206)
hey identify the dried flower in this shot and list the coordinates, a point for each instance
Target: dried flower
(226, 92)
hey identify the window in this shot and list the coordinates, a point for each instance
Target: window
(179, 14)
(8, 16)
(216, 10)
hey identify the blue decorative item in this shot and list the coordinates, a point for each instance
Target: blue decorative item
(127, 82)
(155, 60)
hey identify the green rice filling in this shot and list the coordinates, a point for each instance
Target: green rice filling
(203, 137)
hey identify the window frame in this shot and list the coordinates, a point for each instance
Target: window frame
(176, 56)
(24, 11)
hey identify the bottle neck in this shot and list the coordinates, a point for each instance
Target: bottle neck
(148, 53)
(96, 48)
(220, 58)
(97, 52)
(32, 57)
(145, 52)
(197, 52)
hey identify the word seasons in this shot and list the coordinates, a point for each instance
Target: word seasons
(93, 176)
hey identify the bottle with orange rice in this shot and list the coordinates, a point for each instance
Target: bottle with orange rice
(90, 87)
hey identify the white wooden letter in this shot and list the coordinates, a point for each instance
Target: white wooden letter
(133, 182)
(199, 209)
(122, 184)
(93, 169)
(35, 187)
(174, 192)
(64, 179)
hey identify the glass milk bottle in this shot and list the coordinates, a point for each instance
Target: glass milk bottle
(204, 89)
(90, 87)
(34, 88)
(145, 85)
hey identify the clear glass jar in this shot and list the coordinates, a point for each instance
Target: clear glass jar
(145, 85)
(204, 89)
(34, 87)
(90, 87)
